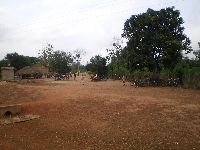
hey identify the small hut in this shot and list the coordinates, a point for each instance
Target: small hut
(7, 73)
(24, 70)
(40, 68)
(36, 68)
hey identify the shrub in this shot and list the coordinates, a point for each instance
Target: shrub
(192, 78)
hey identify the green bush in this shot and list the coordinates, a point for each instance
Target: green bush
(192, 78)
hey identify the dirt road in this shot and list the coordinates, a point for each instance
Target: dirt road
(101, 115)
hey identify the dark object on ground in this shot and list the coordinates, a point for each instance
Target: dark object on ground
(8, 110)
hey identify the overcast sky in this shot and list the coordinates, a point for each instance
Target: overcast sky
(28, 25)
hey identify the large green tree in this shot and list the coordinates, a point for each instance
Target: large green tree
(98, 66)
(56, 61)
(4, 63)
(20, 61)
(155, 39)
(60, 62)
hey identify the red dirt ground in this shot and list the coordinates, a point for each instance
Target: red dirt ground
(100, 115)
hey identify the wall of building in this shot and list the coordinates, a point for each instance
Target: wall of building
(7, 73)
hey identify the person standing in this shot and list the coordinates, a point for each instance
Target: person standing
(82, 79)
(74, 76)
(124, 80)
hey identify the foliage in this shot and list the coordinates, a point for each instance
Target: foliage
(119, 71)
(60, 62)
(98, 66)
(45, 55)
(188, 71)
(116, 56)
(116, 50)
(192, 78)
(4, 63)
(56, 61)
(155, 40)
(180, 70)
(19, 61)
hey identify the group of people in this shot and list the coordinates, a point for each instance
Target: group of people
(95, 77)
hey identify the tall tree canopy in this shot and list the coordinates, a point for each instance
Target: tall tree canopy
(4, 63)
(155, 39)
(60, 62)
(20, 61)
(45, 55)
(97, 65)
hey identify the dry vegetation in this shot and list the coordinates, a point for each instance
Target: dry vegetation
(101, 115)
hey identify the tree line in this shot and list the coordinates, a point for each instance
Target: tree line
(56, 61)
(154, 53)
(17, 61)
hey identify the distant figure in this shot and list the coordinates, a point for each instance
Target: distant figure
(82, 79)
(133, 84)
(70, 74)
(74, 76)
(95, 77)
(123, 80)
